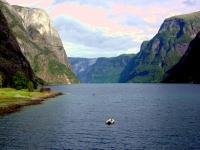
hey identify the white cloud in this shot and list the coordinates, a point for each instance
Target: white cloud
(88, 41)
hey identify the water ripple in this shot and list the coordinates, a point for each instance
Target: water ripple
(147, 116)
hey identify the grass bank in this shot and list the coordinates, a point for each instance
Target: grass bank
(12, 100)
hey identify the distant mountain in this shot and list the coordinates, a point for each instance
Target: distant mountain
(187, 69)
(11, 57)
(101, 70)
(39, 42)
(164, 50)
(81, 66)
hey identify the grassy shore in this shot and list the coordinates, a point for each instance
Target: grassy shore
(12, 100)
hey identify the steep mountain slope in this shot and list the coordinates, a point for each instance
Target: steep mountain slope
(164, 50)
(40, 43)
(102, 70)
(81, 66)
(11, 57)
(187, 69)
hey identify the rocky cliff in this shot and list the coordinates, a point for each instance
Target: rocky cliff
(101, 70)
(11, 57)
(164, 50)
(39, 43)
(187, 69)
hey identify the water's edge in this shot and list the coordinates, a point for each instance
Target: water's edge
(12, 108)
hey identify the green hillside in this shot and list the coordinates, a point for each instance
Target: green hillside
(164, 50)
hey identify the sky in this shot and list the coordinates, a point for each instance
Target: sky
(108, 28)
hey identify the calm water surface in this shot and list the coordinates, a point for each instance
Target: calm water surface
(147, 116)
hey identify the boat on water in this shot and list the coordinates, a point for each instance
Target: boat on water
(110, 121)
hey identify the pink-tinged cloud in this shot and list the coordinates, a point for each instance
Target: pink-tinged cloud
(151, 14)
(24, 2)
(44, 4)
(156, 14)
(119, 9)
(95, 17)
(84, 13)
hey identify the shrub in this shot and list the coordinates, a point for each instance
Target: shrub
(20, 81)
(30, 86)
(18, 87)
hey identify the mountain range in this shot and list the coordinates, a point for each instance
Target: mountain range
(30, 44)
(100, 70)
(155, 59)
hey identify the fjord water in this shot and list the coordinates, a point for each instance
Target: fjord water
(147, 116)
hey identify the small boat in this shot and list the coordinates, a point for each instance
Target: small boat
(110, 121)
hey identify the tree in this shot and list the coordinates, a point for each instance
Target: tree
(30, 86)
(38, 81)
(1, 81)
(20, 81)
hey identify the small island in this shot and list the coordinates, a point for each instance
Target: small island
(12, 100)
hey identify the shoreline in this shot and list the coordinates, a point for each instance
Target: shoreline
(12, 108)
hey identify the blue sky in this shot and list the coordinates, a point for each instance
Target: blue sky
(96, 28)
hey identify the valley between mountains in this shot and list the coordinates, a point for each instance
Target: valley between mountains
(30, 44)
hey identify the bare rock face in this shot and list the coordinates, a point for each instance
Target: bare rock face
(40, 43)
(38, 25)
(37, 18)
(51, 63)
